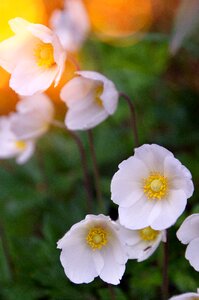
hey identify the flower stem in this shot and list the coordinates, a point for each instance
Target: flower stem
(133, 117)
(95, 168)
(112, 292)
(6, 252)
(82, 152)
(165, 279)
(84, 168)
(74, 62)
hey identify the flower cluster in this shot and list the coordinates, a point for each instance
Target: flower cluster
(151, 187)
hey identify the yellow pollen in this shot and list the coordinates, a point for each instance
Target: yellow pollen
(148, 234)
(44, 55)
(98, 93)
(97, 238)
(21, 145)
(155, 186)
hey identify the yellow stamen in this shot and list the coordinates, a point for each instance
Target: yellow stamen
(21, 145)
(98, 93)
(44, 54)
(148, 234)
(97, 238)
(155, 186)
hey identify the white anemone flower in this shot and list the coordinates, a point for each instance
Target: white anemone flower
(186, 296)
(90, 99)
(71, 24)
(34, 57)
(11, 146)
(92, 248)
(151, 188)
(188, 233)
(33, 117)
(142, 243)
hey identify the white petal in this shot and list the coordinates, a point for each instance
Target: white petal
(110, 94)
(126, 184)
(155, 212)
(150, 249)
(186, 296)
(171, 209)
(178, 175)
(136, 216)
(86, 119)
(27, 153)
(76, 90)
(98, 261)
(76, 256)
(36, 80)
(41, 32)
(128, 236)
(19, 25)
(112, 271)
(34, 114)
(192, 253)
(71, 24)
(189, 229)
(153, 156)
(14, 50)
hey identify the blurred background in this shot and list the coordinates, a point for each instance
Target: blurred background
(150, 49)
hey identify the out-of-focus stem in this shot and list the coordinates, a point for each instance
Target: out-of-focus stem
(74, 61)
(6, 251)
(84, 168)
(165, 279)
(112, 292)
(82, 153)
(95, 168)
(133, 117)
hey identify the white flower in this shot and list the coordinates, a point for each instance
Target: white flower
(188, 233)
(151, 188)
(71, 24)
(11, 146)
(34, 57)
(142, 243)
(92, 248)
(186, 296)
(90, 99)
(33, 117)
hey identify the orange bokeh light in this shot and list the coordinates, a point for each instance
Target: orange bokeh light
(119, 18)
(36, 11)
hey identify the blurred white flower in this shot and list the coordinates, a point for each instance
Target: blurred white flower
(188, 233)
(92, 248)
(33, 117)
(185, 23)
(142, 243)
(34, 57)
(11, 146)
(90, 99)
(71, 24)
(186, 296)
(151, 188)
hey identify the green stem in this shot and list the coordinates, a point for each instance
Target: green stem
(133, 117)
(95, 168)
(165, 279)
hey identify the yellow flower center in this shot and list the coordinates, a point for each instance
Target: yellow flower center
(155, 186)
(21, 145)
(148, 234)
(98, 93)
(44, 54)
(97, 238)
